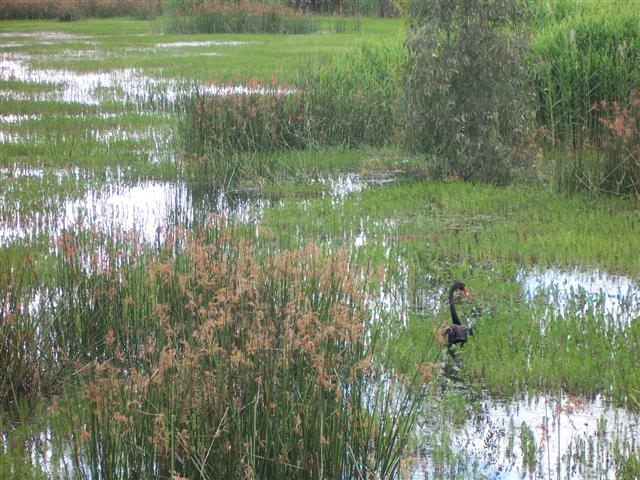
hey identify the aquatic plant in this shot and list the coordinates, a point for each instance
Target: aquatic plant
(580, 61)
(26, 370)
(67, 10)
(219, 16)
(219, 361)
(344, 104)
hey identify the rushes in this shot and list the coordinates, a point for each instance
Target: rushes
(339, 104)
(66, 10)
(234, 364)
(239, 17)
(582, 61)
(25, 369)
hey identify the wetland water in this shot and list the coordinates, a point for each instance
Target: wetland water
(537, 437)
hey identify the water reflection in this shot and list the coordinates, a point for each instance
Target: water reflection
(539, 437)
(129, 85)
(145, 209)
(615, 296)
(205, 43)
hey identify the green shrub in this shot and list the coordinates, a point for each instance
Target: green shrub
(467, 103)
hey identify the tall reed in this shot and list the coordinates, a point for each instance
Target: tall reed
(581, 61)
(216, 361)
(343, 103)
(615, 167)
(76, 9)
(26, 369)
(238, 17)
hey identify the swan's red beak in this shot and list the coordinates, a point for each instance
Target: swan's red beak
(465, 291)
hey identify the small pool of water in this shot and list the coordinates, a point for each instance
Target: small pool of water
(615, 296)
(145, 209)
(537, 437)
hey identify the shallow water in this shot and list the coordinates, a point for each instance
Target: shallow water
(572, 438)
(204, 43)
(615, 296)
(129, 85)
(145, 209)
(489, 442)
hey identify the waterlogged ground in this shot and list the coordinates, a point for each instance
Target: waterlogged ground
(87, 144)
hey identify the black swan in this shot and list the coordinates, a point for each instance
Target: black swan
(456, 332)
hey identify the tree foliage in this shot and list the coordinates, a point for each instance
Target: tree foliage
(467, 101)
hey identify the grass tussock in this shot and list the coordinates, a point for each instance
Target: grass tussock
(339, 104)
(219, 363)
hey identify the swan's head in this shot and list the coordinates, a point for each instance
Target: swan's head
(460, 286)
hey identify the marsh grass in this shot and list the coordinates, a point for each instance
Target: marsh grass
(454, 223)
(26, 373)
(586, 58)
(612, 169)
(17, 448)
(468, 233)
(338, 105)
(214, 360)
(241, 17)
(68, 10)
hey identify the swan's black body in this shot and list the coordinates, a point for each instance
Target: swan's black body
(456, 333)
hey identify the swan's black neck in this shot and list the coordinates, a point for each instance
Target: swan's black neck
(454, 315)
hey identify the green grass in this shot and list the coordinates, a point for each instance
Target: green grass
(484, 235)
(522, 224)
(264, 57)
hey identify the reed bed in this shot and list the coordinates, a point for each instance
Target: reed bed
(583, 61)
(615, 167)
(239, 17)
(214, 360)
(339, 104)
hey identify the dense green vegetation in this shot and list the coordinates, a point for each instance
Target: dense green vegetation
(569, 84)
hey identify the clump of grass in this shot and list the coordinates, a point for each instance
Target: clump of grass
(26, 371)
(239, 17)
(340, 104)
(215, 362)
